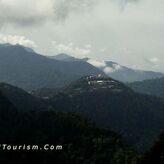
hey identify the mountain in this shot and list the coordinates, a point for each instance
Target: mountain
(29, 49)
(67, 58)
(64, 57)
(83, 85)
(113, 69)
(44, 93)
(124, 74)
(6, 107)
(29, 70)
(22, 100)
(109, 103)
(151, 87)
(95, 83)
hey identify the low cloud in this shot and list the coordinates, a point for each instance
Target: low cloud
(108, 70)
(96, 63)
(113, 68)
(154, 60)
(103, 65)
(15, 39)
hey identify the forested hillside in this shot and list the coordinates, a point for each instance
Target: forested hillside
(150, 87)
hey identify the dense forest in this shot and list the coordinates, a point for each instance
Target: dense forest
(82, 141)
(150, 87)
(156, 153)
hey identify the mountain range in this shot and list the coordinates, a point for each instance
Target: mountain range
(22, 67)
(79, 88)
(114, 70)
(126, 74)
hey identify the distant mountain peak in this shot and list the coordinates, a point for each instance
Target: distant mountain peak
(64, 57)
(123, 73)
(67, 58)
(92, 83)
(8, 45)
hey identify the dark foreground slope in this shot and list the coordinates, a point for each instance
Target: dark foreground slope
(139, 118)
(29, 70)
(156, 153)
(82, 142)
(7, 113)
(21, 99)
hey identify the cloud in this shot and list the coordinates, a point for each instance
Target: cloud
(117, 66)
(29, 12)
(113, 68)
(63, 8)
(72, 49)
(123, 3)
(102, 64)
(127, 36)
(97, 63)
(154, 60)
(36, 12)
(109, 70)
(25, 12)
(14, 39)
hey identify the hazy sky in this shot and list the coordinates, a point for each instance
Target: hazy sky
(130, 32)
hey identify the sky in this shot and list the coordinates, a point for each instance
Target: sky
(129, 32)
